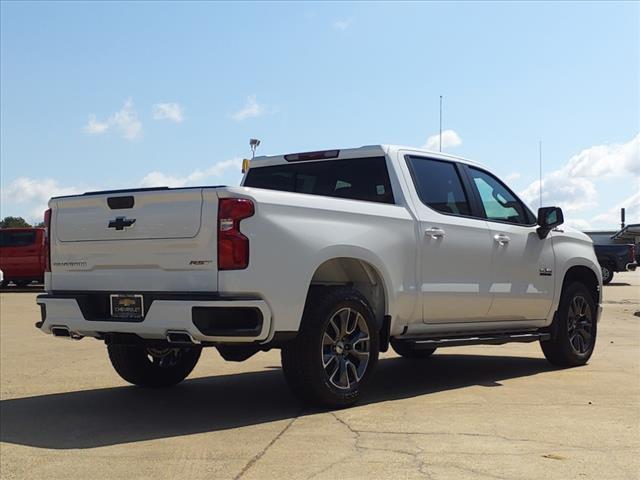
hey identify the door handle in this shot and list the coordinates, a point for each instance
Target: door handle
(435, 232)
(501, 239)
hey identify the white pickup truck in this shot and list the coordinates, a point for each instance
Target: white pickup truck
(331, 257)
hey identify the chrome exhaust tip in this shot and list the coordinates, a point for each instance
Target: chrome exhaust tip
(181, 337)
(64, 332)
(61, 332)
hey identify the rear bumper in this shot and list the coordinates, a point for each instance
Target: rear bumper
(204, 319)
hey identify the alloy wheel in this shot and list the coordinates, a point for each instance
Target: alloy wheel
(580, 325)
(345, 348)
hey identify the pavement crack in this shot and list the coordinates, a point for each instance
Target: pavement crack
(471, 434)
(421, 463)
(256, 458)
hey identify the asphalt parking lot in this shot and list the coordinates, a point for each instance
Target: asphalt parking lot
(473, 412)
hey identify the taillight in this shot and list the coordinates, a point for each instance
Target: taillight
(47, 240)
(632, 253)
(233, 246)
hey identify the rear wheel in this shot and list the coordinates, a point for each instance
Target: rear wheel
(575, 328)
(335, 350)
(607, 274)
(153, 367)
(408, 349)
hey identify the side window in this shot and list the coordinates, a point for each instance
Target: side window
(439, 185)
(17, 239)
(498, 201)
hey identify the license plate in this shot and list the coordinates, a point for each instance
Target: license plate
(127, 306)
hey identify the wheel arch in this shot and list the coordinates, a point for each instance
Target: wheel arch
(361, 274)
(586, 276)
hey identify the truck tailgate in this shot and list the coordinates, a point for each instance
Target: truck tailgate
(152, 240)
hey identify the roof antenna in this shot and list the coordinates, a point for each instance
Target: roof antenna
(540, 162)
(441, 123)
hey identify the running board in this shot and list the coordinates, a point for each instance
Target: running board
(477, 340)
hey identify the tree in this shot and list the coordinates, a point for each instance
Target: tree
(14, 222)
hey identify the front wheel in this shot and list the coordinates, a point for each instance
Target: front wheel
(335, 351)
(575, 328)
(607, 275)
(153, 367)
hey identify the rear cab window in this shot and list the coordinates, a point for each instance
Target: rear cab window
(17, 239)
(365, 179)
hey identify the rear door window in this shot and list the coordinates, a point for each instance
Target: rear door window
(17, 239)
(438, 185)
(364, 179)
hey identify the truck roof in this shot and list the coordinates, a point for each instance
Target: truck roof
(360, 152)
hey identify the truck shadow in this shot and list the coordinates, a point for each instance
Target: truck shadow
(109, 416)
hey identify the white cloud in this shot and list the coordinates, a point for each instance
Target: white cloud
(125, 121)
(168, 111)
(94, 127)
(513, 176)
(614, 160)
(251, 109)
(573, 186)
(29, 196)
(159, 179)
(571, 194)
(578, 223)
(612, 216)
(341, 24)
(449, 139)
(33, 194)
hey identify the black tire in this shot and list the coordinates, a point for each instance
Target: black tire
(576, 317)
(607, 274)
(148, 367)
(308, 362)
(407, 350)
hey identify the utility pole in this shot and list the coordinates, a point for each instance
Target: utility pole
(441, 123)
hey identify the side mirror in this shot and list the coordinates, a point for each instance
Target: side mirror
(548, 219)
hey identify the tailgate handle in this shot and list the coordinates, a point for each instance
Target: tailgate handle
(118, 203)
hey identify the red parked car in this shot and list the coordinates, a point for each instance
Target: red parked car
(22, 255)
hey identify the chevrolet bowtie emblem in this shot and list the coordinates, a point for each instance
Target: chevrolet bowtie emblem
(120, 223)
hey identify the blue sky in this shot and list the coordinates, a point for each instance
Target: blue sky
(112, 95)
